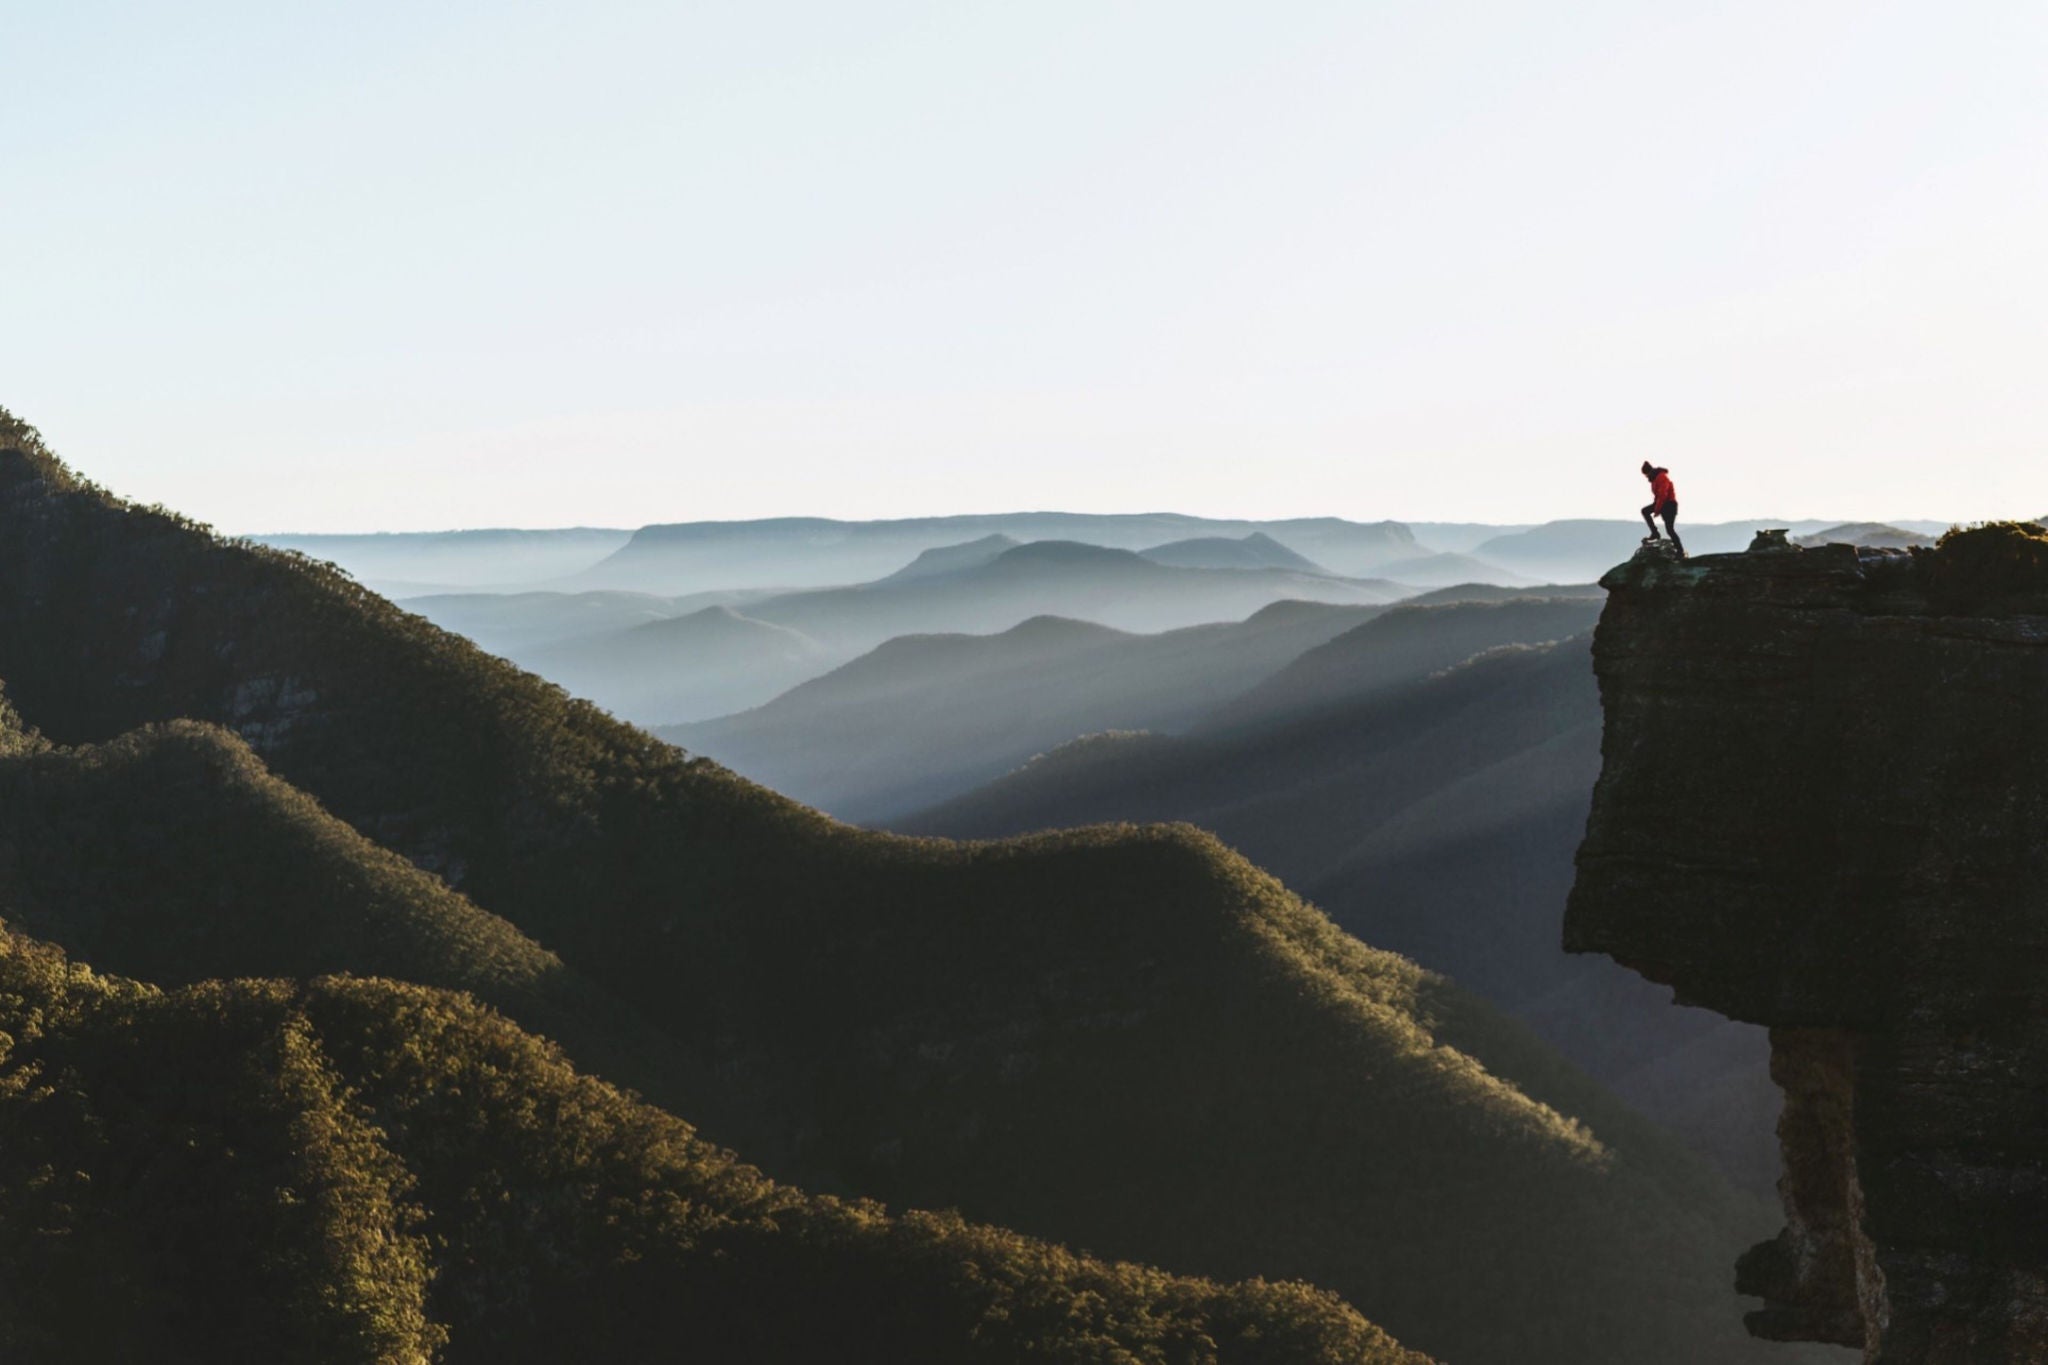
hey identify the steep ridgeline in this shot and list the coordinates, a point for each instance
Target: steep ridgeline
(1127, 1040)
(1822, 809)
(172, 856)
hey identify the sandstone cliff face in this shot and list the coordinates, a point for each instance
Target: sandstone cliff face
(1823, 808)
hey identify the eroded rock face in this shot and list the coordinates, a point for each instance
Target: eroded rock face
(1824, 808)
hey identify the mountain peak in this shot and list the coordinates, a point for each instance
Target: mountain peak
(1255, 551)
(955, 558)
(1066, 552)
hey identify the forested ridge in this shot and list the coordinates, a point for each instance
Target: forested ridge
(369, 1171)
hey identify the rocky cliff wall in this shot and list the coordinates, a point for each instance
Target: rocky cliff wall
(1822, 808)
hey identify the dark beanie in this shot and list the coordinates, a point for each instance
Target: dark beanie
(1647, 467)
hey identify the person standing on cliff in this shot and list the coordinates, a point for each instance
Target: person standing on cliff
(1663, 503)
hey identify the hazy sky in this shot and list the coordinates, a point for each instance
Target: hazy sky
(401, 265)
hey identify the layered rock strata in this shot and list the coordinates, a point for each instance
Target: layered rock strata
(1822, 808)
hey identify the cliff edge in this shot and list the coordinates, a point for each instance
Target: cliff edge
(1822, 808)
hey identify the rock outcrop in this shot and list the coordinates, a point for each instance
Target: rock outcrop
(1823, 809)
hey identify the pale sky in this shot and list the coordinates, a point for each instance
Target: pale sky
(380, 265)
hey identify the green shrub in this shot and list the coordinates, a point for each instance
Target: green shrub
(1973, 567)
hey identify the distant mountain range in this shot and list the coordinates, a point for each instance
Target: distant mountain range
(688, 559)
(656, 660)
(924, 717)
(1117, 588)
(708, 555)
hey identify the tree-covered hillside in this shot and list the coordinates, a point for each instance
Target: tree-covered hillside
(380, 1174)
(171, 855)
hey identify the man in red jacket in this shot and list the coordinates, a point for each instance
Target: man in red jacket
(1663, 503)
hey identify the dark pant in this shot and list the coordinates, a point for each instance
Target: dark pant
(1669, 511)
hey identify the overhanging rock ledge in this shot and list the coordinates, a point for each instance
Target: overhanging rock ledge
(1824, 808)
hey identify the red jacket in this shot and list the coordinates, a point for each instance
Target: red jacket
(1661, 489)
